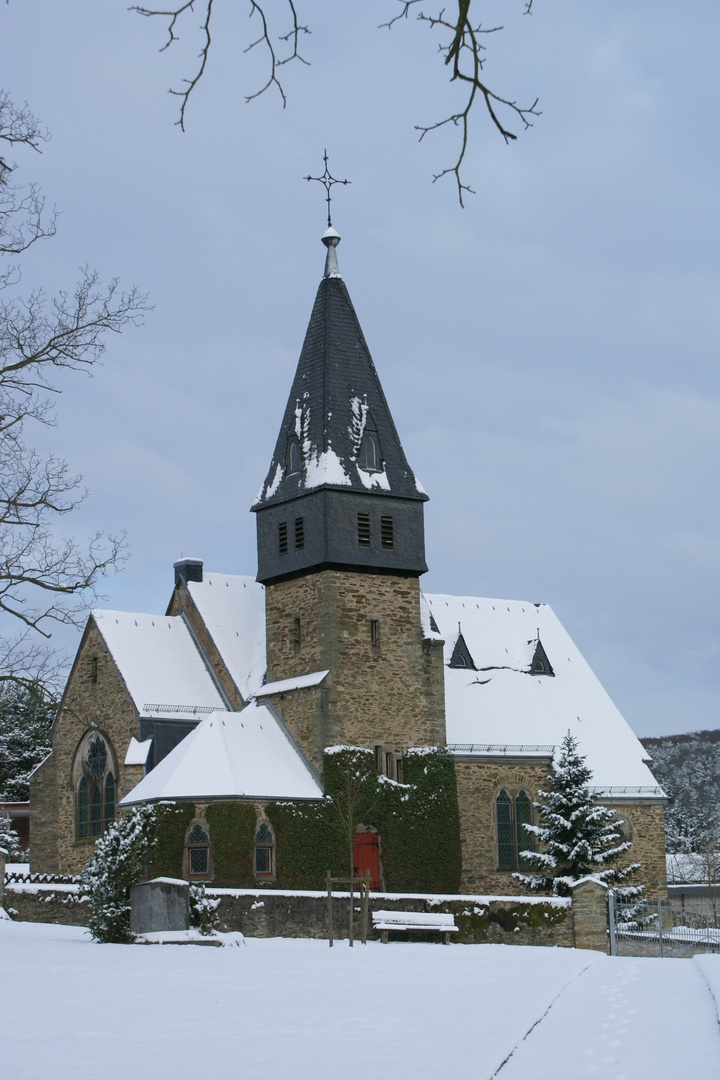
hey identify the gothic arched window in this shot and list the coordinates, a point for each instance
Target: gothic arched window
(264, 851)
(513, 810)
(198, 849)
(93, 780)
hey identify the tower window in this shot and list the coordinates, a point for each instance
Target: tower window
(374, 632)
(364, 530)
(293, 457)
(283, 538)
(297, 627)
(370, 455)
(387, 537)
(299, 533)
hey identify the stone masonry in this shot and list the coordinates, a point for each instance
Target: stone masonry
(478, 784)
(95, 698)
(389, 690)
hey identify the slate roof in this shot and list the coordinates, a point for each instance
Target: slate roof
(335, 397)
(499, 707)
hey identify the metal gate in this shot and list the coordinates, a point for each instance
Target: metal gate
(675, 927)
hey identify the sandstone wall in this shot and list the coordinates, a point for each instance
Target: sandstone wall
(95, 698)
(390, 692)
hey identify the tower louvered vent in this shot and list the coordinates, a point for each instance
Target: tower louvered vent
(387, 537)
(364, 530)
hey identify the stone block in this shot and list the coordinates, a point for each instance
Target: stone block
(160, 904)
(589, 908)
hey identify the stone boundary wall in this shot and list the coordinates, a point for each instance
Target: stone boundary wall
(504, 920)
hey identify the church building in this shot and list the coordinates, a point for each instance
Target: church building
(330, 673)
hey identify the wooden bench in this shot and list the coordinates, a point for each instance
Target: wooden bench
(419, 922)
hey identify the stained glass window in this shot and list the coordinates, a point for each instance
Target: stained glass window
(198, 835)
(95, 811)
(523, 816)
(109, 799)
(264, 849)
(199, 860)
(82, 809)
(506, 852)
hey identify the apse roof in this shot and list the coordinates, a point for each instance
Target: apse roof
(336, 400)
(502, 706)
(236, 755)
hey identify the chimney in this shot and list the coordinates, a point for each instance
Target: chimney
(188, 570)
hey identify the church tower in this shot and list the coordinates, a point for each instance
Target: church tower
(341, 548)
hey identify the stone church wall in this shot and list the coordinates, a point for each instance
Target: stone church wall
(388, 691)
(479, 781)
(95, 698)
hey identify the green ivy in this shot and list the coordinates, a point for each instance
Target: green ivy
(168, 841)
(232, 840)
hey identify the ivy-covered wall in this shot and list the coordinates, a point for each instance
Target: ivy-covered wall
(417, 821)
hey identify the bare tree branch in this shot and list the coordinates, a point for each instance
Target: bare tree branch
(463, 53)
(44, 579)
(265, 40)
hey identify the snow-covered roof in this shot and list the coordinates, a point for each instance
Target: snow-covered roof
(236, 755)
(159, 663)
(300, 682)
(233, 609)
(496, 707)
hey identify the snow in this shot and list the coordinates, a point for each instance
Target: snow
(137, 752)
(274, 483)
(159, 663)
(501, 704)
(295, 1008)
(373, 479)
(324, 468)
(301, 682)
(232, 607)
(246, 754)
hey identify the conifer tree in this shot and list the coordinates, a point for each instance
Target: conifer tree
(577, 836)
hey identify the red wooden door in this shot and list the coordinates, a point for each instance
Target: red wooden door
(366, 856)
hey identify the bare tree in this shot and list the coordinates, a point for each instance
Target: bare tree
(43, 579)
(462, 50)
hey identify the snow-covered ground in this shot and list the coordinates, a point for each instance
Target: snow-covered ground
(293, 1009)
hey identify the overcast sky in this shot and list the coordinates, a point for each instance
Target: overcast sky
(550, 353)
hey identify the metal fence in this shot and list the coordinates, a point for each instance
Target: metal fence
(678, 927)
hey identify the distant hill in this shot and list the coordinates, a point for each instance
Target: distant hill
(688, 768)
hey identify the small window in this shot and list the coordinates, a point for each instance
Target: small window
(389, 762)
(297, 631)
(283, 538)
(264, 851)
(93, 669)
(293, 457)
(299, 533)
(198, 844)
(370, 455)
(364, 530)
(374, 632)
(387, 538)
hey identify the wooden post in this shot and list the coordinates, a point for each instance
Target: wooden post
(352, 910)
(365, 905)
(330, 911)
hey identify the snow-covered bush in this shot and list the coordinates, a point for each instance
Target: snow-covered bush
(203, 910)
(9, 838)
(577, 836)
(119, 861)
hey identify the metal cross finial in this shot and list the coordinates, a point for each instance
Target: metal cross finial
(327, 181)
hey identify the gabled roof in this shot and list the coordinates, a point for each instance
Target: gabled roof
(238, 755)
(232, 608)
(159, 664)
(504, 704)
(336, 397)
